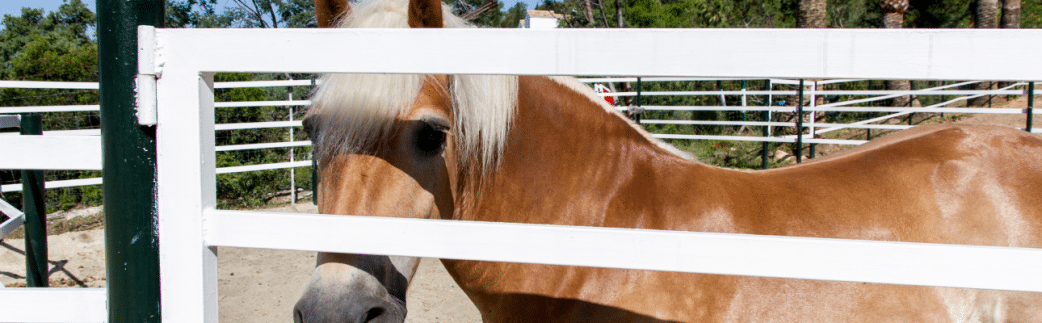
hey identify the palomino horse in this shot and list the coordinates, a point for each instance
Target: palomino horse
(548, 150)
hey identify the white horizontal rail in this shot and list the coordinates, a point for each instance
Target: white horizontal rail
(258, 125)
(8, 209)
(694, 93)
(55, 184)
(264, 146)
(14, 221)
(250, 84)
(51, 152)
(77, 132)
(659, 79)
(243, 104)
(920, 110)
(819, 93)
(49, 85)
(773, 108)
(811, 53)
(713, 253)
(722, 138)
(10, 121)
(250, 168)
(880, 98)
(50, 108)
(94, 85)
(52, 305)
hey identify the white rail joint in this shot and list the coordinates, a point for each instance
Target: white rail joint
(145, 82)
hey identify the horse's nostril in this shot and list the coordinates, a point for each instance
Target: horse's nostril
(374, 313)
(298, 317)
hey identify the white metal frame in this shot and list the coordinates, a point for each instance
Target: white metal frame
(190, 227)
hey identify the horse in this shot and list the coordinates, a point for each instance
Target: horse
(548, 150)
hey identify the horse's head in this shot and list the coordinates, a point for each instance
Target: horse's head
(386, 145)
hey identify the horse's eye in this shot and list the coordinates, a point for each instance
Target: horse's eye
(430, 139)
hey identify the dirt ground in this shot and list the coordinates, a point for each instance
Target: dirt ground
(255, 285)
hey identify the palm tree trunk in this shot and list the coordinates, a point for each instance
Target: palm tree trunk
(812, 14)
(987, 17)
(894, 18)
(588, 10)
(1011, 20)
(621, 21)
(1011, 14)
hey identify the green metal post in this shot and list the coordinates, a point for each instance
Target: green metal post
(868, 131)
(33, 194)
(764, 146)
(1031, 104)
(799, 124)
(636, 116)
(910, 99)
(129, 161)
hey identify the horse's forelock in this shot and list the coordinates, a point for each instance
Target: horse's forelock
(357, 110)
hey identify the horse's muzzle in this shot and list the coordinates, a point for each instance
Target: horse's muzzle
(352, 299)
(364, 310)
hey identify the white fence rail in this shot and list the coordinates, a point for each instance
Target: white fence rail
(49, 304)
(8, 140)
(190, 228)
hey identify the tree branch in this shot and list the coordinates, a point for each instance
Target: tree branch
(480, 10)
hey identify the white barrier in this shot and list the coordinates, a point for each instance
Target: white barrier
(190, 227)
(49, 304)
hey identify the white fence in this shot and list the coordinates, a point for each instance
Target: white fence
(49, 304)
(93, 134)
(190, 227)
(815, 128)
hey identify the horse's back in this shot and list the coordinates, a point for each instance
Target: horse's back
(948, 183)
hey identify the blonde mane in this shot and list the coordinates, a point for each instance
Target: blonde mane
(361, 108)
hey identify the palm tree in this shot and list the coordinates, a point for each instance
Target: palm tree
(812, 14)
(894, 17)
(987, 17)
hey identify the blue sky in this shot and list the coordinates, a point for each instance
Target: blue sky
(14, 7)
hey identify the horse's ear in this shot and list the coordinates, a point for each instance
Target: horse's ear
(327, 12)
(425, 14)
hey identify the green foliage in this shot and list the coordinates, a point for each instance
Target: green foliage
(247, 14)
(1031, 14)
(197, 14)
(940, 14)
(854, 14)
(54, 46)
(274, 13)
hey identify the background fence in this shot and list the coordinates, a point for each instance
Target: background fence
(262, 150)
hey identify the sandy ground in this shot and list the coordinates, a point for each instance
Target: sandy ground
(255, 285)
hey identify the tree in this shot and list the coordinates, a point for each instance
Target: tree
(812, 14)
(894, 18)
(987, 17)
(198, 14)
(1010, 14)
(53, 46)
(275, 13)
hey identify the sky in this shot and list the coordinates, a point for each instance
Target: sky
(14, 7)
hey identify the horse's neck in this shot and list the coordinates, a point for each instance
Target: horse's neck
(569, 160)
